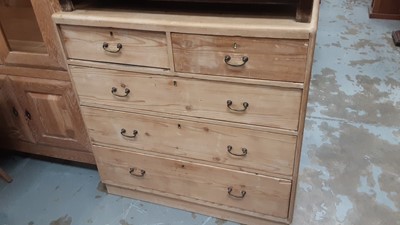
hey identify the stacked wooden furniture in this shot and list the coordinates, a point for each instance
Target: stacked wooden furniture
(197, 111)
(39, 112)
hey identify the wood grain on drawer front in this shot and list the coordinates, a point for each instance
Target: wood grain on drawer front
(268, 106)
(270, 59)
(264, 195)
(141, 48)
(265, 151)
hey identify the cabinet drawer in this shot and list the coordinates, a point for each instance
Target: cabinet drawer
(267, 106)
(141, 48)
(255, 150)
(269, 59)
(261, 194)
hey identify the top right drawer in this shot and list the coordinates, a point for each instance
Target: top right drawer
(257, 58)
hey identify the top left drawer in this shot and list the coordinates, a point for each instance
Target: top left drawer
(142, 48)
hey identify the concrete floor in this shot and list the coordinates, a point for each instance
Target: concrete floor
(350, 165)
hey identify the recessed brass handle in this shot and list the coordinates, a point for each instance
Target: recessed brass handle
(229, 104)
(105, 47)
(244, 151)
(228, 58)
(114, 92)
(123, 133)
(140, 174)
(242, 193)
(15, 112)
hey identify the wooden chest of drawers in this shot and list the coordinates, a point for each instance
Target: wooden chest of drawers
(185, 113)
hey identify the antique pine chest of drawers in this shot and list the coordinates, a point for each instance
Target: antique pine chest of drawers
(203, 112)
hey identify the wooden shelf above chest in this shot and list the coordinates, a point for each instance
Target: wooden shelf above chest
(252, 16)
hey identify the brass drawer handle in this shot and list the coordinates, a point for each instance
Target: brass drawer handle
(114, 92)
(229, 104)
(123, 133)
(15, 112)
(244, 151)
(243, 193)
(105, 47)
(228, 58)
(141, 172)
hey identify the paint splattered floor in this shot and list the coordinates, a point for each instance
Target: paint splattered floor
(350, 170)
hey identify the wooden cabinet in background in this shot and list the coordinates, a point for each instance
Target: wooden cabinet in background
(52, 112)
(13, 124)
(39, 109)
(27, 34)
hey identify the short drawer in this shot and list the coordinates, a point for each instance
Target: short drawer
(238, 190)
(248, 104)
(258, 58)
(133, 47)
(222, 145)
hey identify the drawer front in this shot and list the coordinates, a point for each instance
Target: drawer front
(269, 59)
(264, 195)
(256, 150)
(141, 48)
(267, 106)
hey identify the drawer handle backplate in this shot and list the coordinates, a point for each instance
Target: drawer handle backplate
(229, 104)
(242, 193)
(141, 172)
(244, 151)
(105, 47)
(114, 92)
(123, 133)
(228, 58)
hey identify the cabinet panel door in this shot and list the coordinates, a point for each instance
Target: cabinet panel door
(27, 34)
(52, 111)
(13, 125)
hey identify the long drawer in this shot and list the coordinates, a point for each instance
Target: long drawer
(249, 104)
(259, 58)
(239, 190)
(247, 149)
(141, 48)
